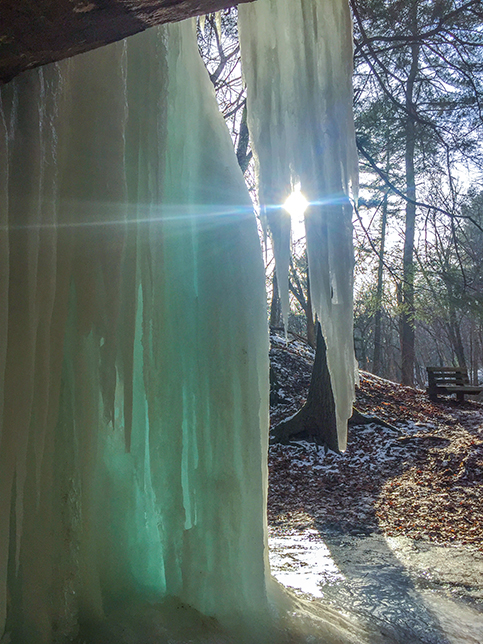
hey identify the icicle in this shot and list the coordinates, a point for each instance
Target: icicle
(300, 120)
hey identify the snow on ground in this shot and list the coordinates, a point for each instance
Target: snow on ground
(423, 479)
(391, 530)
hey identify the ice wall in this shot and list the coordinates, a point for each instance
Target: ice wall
(297, 64)
(133, 340)
(133, 345)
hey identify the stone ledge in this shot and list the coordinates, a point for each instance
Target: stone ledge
(36, 32)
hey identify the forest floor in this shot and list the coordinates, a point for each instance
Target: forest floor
(422, 480)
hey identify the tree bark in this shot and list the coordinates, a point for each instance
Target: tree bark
(242, 154)
(316, 421)
(455, 336)
(377, 358)
(362, 419)
(407, 313)
(305, 301)
(276, 305)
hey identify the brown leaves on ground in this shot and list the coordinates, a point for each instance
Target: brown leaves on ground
(439, 497)
(424, 481)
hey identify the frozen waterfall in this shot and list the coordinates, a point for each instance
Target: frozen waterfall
(297, 64)
(133, 340)
(135, 316)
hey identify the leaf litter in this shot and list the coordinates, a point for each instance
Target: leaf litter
(423, 479)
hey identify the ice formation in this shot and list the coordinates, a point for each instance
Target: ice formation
(133, 346)
(297, 64)
(132, 315)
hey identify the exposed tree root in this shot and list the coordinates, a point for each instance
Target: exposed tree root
(361, 419)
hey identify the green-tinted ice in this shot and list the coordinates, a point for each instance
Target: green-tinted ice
(133, 359)
(132, 460)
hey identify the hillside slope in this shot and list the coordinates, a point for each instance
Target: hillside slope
(423, 480)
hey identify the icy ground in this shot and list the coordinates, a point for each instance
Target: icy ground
(392, 529)
(415, 591)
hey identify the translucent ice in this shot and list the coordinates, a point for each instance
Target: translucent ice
(132, 316)
(134, 356)
(297, 64)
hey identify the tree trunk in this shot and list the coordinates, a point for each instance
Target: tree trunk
(276, 305)
(305, 301)
(377, 358)
(316, 421)
(456, 339)
(407, 314)
(242, 154)
(309, 314)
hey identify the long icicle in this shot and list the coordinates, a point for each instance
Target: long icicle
(297, 64)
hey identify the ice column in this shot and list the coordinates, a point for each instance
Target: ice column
(133, 344)
(297, 64)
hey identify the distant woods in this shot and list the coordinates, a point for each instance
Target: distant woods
(418, 84)
(418, 224)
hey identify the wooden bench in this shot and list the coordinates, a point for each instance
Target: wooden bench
(449, 380)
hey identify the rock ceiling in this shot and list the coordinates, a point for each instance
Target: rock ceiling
(36, 32)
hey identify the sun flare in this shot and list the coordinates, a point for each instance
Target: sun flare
(296, 204)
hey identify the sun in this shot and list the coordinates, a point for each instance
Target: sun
(296, 204)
